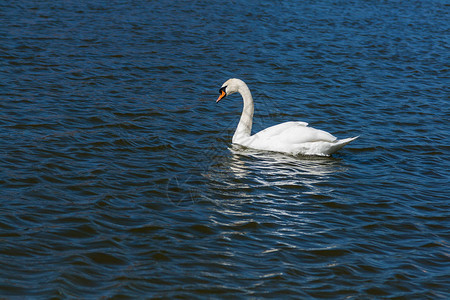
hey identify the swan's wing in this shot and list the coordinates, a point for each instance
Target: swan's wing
(292, 133)
(279, 128)
(299, 123)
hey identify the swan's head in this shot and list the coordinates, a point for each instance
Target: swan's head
(229, 87)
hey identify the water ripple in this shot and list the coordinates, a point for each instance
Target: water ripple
(119, 180)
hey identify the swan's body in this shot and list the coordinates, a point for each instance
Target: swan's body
(289, 137)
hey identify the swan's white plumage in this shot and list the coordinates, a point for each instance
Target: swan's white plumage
(289, 137)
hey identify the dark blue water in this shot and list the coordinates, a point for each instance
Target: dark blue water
(118, 178)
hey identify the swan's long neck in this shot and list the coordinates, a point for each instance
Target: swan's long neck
(244, 128)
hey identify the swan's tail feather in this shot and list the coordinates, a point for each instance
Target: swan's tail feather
(321, 148)
(340, 143)
(347, 140)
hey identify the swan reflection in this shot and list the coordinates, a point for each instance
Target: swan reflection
(246, 169)
(248, 186)
(277, 164)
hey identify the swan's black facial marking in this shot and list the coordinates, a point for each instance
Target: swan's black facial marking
(223, 90)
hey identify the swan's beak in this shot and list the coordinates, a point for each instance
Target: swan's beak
(222, 95)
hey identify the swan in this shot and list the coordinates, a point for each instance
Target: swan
(294, 138)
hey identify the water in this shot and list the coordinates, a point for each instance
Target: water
(118, 178)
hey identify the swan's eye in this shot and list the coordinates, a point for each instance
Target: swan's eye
(222, 91)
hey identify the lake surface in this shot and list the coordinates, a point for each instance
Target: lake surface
(119, 180)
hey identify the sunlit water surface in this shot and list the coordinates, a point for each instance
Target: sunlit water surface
(118, 178)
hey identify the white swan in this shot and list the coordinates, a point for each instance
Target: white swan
(289, 137)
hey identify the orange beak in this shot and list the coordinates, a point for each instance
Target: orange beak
(222, 94)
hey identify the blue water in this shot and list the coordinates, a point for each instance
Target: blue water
(118, 178)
